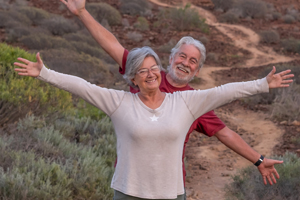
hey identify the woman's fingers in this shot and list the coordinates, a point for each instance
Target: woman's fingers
(285, 72)
(287, 76)
(24, 60)
(21, 70)
(20, 65)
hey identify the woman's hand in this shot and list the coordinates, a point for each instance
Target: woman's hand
(279, 80)
(75, 6)
(29, 68)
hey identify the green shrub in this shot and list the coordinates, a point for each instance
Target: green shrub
(135, 7)
(223, 4)
(22, 95)
(59, 25)
(42, 41)
(252, 8)
(269, 36)
(288, 19)
(291, 45)
(229, 17)
(248, 183)
(182, 19)
(36, 15)
(141, 24)
(102, 11)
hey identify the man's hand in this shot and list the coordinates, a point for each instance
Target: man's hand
(279, 80)
(267, 170)
(75, 6)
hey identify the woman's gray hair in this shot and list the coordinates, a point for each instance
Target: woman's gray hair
(135, 60)
(192, 41)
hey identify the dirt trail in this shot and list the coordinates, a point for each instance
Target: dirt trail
(210, 166)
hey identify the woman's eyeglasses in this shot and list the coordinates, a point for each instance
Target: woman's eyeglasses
(145, 72)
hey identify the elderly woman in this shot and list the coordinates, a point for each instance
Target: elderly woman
(149, 125)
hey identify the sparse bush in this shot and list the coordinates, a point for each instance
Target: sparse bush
(248, 183)
(62, 169)
(276, 15)
(229, 17)
(15, 33)
(269, 37)
(59, 25)
(224, 4)
(166, 48)
(134, 36)
(252, 8)
(82, 47)
(268, 98)
(204, 40)
(293, 12)
(102, 11)
(36, 15)
(288, 19)
(135, 7)
(212, 57)
(141, 24)
(10, 19)
(78, 37)
(21, 95)
(125, 22)
(42, 41)
(291, 45)
(83, 65)
(182, 19)
(286, 104)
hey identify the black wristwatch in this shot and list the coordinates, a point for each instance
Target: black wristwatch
(260, 160)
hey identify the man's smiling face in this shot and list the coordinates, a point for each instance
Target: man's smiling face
(185, 64)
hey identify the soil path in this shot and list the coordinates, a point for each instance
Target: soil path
(210, 163)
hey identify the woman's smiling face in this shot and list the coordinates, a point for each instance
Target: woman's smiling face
(148, 77)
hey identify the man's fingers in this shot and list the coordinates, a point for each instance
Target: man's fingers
(24, 60)
(265, 180)
(269, 179)
(273, 178)
(288, 76)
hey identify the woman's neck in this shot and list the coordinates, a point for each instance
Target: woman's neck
(152, 99)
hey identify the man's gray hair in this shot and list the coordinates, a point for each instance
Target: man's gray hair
(135, 60)
(189, 40)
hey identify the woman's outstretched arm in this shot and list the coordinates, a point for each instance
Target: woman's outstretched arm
(104, 99)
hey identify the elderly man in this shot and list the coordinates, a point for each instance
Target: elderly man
(186, 59)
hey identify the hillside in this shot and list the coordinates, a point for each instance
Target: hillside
(243, 42)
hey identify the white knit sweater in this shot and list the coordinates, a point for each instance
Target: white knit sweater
(150, 142)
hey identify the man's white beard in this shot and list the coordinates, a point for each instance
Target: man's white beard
(181, 81)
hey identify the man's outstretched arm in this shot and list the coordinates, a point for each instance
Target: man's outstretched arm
(103, 37)
(233, 141)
